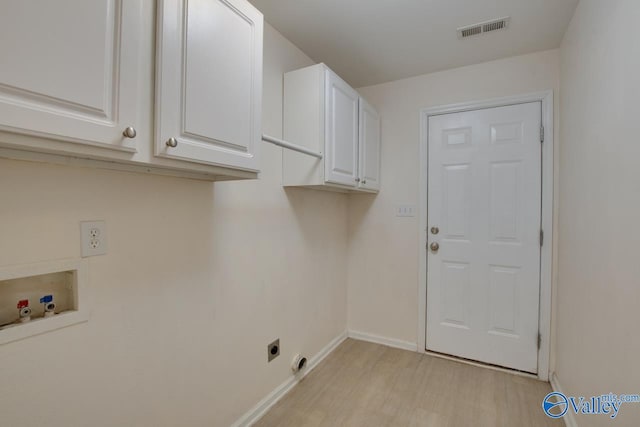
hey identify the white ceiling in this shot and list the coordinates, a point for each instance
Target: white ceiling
(373, 41)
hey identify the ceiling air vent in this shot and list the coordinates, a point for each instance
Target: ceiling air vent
(483, 27)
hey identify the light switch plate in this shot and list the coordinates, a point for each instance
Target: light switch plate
(93, 236)
(406, 210)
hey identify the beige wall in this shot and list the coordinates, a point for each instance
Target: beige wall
(599, 268)
(383, 249)
(198, 279)
(200, 276)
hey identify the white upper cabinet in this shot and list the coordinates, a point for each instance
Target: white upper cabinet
(324, 114)
(341, 131)
(70, 71)
(76, 84)
(369, 163)
(209, 82)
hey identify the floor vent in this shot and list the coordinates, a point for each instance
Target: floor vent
(483, 27)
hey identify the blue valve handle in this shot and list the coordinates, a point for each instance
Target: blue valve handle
(46, 299)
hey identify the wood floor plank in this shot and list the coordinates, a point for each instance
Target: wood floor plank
(370, 385)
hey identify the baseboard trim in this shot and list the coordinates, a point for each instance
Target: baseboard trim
(389, 342)
(261, 408)
(569, 418)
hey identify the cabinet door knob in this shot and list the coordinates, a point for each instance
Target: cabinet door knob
(357, 179)
(130, 132)
(364, 181)
(434, 246)
(172, 142)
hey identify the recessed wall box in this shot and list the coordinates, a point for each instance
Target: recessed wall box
(35, 287)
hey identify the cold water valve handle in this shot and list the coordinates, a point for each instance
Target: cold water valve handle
(49, 305)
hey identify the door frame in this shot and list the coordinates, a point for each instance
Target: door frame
(546, 252)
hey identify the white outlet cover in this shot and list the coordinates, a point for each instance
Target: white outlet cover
(405, 210)
(93, 237)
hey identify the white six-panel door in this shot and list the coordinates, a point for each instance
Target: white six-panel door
(341, 131)
(208, 88)
(70, 70)
(484, 207)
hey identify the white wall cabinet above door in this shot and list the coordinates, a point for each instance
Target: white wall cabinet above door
(324, 114)
(369, 143)
(209, 82)
(70, 70)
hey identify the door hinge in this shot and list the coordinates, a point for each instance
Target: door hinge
(541, 134)
(541, 237)
(539, 341)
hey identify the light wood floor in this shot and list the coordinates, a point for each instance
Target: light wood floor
(364, 384)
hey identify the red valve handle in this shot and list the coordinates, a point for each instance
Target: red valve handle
(23, 303)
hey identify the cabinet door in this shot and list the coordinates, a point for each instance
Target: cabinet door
(341, 131)
(209, 82)
(70, 70)
(369, 164)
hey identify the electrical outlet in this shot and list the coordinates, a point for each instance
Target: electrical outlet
(406, 210)
(273, 350)
(93, 236)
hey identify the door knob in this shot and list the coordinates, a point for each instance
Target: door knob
(435, 230)
(172, 142)
(434, 246)
(129, 132)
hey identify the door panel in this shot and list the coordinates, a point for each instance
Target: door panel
(74, 73)
(504, 219)
(456, 206)
(455, 289)
(229, 121)
(503, 300)
(485, 196)
(369, 160)
(209, 91)
(341, 131)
